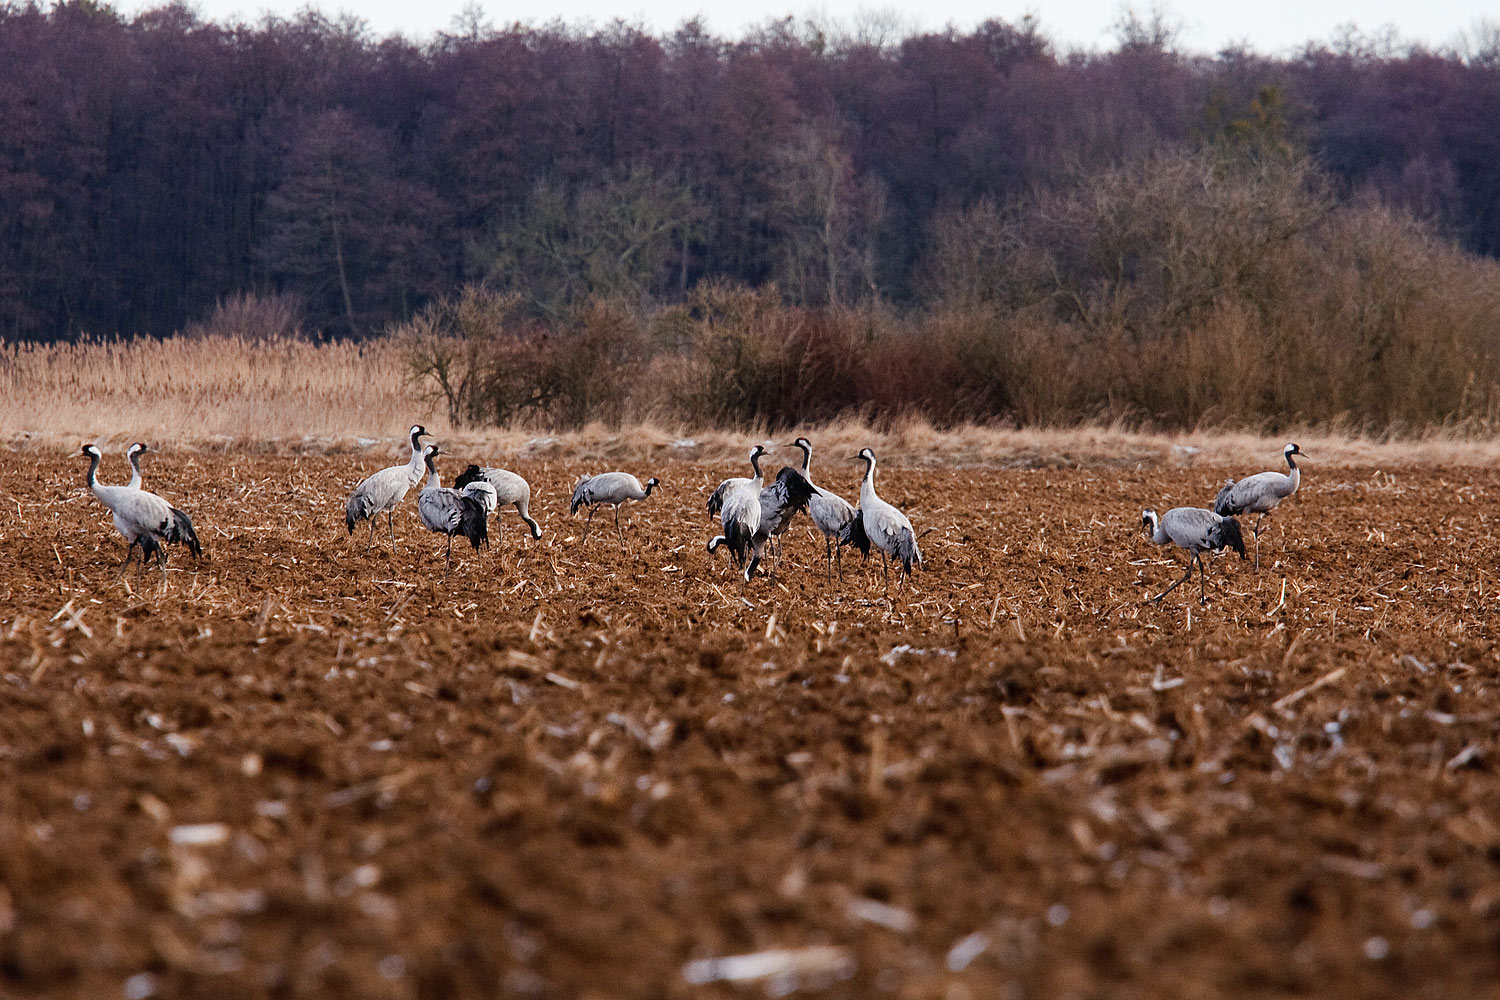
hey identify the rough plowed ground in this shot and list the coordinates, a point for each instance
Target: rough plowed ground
(297, 768)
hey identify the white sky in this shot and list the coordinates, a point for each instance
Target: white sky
(1270, 26)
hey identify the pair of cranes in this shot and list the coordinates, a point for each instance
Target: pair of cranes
(462, 509)
(755, 516)
(1198, 530)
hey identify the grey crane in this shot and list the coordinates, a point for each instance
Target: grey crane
(454, 512)
(1259, 494)
(612, 488)
(383, 490)
(882, 525)
(739, 509)
(145, 519)
(716, 499)
(510, 490)
(1198, 531)
(830, 513)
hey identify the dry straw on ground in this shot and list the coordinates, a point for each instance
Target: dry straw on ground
(234, 393)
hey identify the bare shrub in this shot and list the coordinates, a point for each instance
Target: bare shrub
(252, 317)
(489, 361)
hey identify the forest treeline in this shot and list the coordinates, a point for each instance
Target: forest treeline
(1037, 233)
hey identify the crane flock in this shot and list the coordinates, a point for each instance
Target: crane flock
(752, 515)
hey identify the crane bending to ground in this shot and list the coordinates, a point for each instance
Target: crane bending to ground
(1197, 531)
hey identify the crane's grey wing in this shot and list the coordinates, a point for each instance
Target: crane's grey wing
(1192, 527)
(440, 510)
(379, 491)
(829, 511)
(509, 487)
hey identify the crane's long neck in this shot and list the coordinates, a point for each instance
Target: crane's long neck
(649, 487)
(755, 464)
(93, 473)
(135, 470)
(1157, 535)
(806, 462)
(867, 485)
(1295, 474)
(433, 480)
(414, 467)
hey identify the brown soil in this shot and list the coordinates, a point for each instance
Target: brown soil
(571, 770)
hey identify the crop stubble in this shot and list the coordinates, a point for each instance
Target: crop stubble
(570, 771)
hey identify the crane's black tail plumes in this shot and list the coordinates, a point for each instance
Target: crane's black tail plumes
(474, 521)
(907, 552)
(580, 495)
(853, 534)
(1229, 536)
(716, 499)
(1222, 507)
(469, 475)
(795, 489)
(179, 529)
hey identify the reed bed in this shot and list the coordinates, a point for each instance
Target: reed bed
(227, 392)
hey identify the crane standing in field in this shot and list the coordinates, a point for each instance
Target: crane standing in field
(383, 490)
(145, 519)
(1198, 531)
(612, 488)
(716, 498)
(453, 512)
(1259, 494)
(830, 513)
(737, 502)
(882, 525)
(510, 490)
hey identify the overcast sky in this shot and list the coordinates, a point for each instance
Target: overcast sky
(1271, 26)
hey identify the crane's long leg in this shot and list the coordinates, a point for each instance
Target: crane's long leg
(617, 526)
(1256, 532)
(828, 555)
(129, 555)
(1202, 578)
(390, 522)
(450, 556)
(588, 524)
(372, 532)
(1185, 578)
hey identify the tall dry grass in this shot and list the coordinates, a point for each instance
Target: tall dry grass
(205, 389)
(234, 393)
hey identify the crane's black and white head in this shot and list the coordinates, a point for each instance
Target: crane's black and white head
(1149, 520)
(802, 443)
(868, 457)
(431, 452)
(652, 484)
(139, 448)
(92, 451)
(417, 433)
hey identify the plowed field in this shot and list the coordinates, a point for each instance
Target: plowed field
(295, 768)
